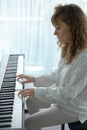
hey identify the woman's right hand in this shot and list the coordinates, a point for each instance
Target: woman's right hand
(25, 78)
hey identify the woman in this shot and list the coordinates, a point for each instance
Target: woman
(64, 92)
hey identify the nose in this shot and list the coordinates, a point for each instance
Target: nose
(55, 32)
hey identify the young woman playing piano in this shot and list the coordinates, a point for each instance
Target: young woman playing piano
(64, 92)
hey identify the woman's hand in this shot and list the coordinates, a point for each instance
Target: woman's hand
(27, 93)
(25, 79)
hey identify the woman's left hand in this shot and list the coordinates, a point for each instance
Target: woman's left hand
(27, 92)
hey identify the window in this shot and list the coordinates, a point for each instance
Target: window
(25, 27)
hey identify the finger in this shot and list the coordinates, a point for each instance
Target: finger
(25, 94)
(22, 80)
(22, 91)
(20, 75)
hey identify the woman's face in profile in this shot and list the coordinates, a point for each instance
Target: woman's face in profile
(62, 31)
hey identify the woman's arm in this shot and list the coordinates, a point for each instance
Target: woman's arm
(68, 91)
(46, 80)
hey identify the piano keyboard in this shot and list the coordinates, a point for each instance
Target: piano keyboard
(11, 106)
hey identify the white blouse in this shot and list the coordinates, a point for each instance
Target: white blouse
(67, 86)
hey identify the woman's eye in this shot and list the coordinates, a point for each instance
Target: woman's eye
(58, 28)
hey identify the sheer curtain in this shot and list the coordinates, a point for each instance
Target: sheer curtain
(25, 27)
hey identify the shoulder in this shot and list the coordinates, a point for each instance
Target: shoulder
(81, 58)
(82, 55)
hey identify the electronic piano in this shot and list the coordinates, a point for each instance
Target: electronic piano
(11, 106)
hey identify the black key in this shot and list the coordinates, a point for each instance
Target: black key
(4, 87)
(6, 98)
(9, 80)
(10, 75)
(4, 91)
(5, 125)
(8, 84)
(5, 113)
(6, 95)
(5, 120)
(5, 110)
(6, 107)
(10, 71)
(11, 68)
(6, 103)
(2, 117)
(7, 89)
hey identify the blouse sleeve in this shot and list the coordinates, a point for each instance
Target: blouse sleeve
(73, 87)
(76, 83)
(46, 80)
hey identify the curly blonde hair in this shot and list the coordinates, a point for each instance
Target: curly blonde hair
(76, 19)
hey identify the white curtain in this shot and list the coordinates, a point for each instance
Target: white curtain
(25, 27)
